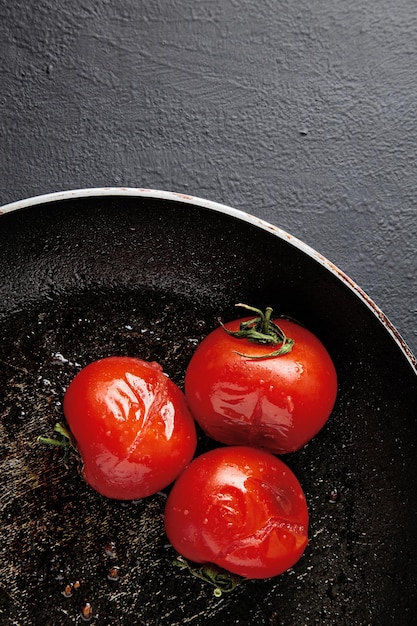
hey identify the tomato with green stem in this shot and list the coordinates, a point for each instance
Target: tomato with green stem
(131, 426)
(265, 382)
(240, 508)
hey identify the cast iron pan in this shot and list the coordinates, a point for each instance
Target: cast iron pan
(101, 272)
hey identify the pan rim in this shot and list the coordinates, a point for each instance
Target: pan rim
(236, 213)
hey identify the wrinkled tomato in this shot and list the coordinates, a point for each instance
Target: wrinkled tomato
(132, 427)
(241, 509)
(240, 394)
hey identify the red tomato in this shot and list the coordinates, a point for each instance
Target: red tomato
(241, 509)
(277, 403)
(132, 427)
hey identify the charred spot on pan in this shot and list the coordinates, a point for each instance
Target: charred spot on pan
(113, 573)
(86, 612)
(333, 495)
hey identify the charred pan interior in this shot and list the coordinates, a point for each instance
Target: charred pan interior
(89, 277)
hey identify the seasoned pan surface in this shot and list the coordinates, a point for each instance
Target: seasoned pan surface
(148, 275)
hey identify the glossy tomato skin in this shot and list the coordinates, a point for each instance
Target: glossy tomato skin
(240, 508)
(278, 403)
(133, 429)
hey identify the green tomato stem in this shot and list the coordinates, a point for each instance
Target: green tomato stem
(66, 441)
(222, 581)
(261, 330)
(52, 442)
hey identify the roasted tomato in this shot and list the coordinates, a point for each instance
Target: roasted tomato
(254, 381)
(241, 509)
(131, 425)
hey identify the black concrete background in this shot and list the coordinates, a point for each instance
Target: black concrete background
(300, 112)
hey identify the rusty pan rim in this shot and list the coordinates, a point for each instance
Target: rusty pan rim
(186, 199)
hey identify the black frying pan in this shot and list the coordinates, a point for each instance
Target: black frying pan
(100, 272)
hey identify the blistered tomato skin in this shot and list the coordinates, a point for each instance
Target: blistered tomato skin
(241, 509)
(133, 429)
(278, 403)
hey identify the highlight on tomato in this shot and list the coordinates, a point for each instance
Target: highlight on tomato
(268, 383)
(241, 509)
(131, 426)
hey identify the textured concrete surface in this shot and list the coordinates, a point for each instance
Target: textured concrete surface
(302, 113)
